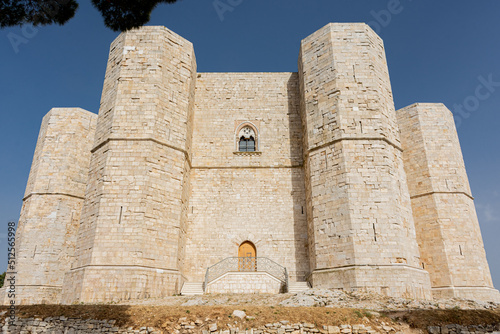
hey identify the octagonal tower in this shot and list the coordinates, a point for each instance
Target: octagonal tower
(132, 234)
(361, 230)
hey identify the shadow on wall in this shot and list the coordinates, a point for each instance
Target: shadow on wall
(298, 184)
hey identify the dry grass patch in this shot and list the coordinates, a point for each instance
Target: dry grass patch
(167, 317)
(424, 318)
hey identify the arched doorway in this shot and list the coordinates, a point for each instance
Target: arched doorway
(247, 255)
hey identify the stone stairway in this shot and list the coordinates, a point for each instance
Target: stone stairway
(294, 287)
(192, 288)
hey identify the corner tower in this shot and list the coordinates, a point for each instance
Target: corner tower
(46, 234)
(443, 208)
(361, 230)
(132, 233)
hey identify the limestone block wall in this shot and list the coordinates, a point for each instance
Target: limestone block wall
(148, 195)
(445, 218)
(246, 282)
(46, 234)
(132, 235)
(361, 229)
(255, 196)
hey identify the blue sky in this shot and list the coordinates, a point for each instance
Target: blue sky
(436, 51)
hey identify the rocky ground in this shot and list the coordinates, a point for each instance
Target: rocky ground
(319, 298)
(310, 311)
(371, 301)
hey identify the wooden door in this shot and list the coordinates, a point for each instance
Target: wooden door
(247, 255)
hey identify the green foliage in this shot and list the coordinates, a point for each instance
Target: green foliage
(363, 313)
(368, 314)
(2, 279)
(36, 12)
(119, 15)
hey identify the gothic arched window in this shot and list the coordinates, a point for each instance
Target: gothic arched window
(247, 140)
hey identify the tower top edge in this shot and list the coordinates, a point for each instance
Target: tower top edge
(339, 26)
(61, 110)
(159, 29)
(424, 104)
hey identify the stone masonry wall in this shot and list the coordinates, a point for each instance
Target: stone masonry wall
(46, 235)
(445, 218)
(255, 196)
(359, 213)
(246, 282)
(74, 325)
(132, 235)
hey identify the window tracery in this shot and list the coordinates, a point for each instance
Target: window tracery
(246, 140)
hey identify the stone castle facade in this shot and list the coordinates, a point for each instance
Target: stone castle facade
(315, 171)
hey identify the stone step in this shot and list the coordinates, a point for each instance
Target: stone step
(190, 293)
(294, 287)
(192, 288)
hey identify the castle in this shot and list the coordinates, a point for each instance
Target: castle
(248, 182)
